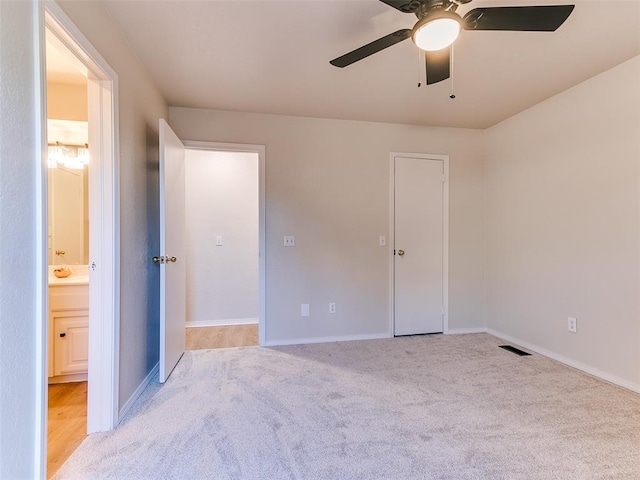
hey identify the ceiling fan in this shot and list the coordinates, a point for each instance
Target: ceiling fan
(439, 25)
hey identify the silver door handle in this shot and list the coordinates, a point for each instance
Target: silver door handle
(164, 259)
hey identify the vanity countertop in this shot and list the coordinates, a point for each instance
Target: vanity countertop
(79, 276)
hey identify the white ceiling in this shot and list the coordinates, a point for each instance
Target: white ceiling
(273, 57)
(62, 65)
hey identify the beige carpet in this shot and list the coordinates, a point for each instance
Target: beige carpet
(433, 407)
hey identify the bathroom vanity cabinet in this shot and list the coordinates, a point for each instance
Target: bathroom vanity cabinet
(68, 332)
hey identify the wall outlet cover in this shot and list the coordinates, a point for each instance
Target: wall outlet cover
(304, 310)
(572, 324)
(332, 307)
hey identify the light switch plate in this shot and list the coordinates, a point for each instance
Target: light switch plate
(383, 240)
(218, 241)
(304, 310)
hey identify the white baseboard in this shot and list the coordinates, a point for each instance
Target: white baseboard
(462, 331)
(132, 399)
(634, 387)
(222, 323)
(344, 338)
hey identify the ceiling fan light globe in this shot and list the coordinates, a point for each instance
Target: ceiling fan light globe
(436, 34)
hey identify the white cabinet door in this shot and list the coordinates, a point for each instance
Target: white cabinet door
(71, 342)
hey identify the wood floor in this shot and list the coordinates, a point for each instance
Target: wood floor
(68, 401)
(67, 426)
(199, 338)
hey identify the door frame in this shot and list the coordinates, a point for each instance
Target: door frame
(104, 310)
(262, 265)
(445, 233)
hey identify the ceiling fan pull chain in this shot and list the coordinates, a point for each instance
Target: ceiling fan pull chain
(453, 95)
(420, 69)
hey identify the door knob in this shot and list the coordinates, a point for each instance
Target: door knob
(62, 335)
(164, 259)
(401, 253)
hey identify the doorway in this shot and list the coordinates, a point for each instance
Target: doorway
(98, 310)
(68, 252)
(222, 251)
(419, 227)
(225, 244)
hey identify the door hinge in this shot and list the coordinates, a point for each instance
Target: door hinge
(442, 310)
(444, 178)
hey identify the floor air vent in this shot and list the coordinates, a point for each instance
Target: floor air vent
(515, 350)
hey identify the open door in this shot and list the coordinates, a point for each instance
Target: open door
(172, 259)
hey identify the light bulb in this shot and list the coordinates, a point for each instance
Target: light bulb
(83, 154)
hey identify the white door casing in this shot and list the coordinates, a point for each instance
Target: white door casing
(419, 241)
(172, 259)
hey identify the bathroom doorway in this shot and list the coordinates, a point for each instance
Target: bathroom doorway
(79, 238)
(224, 223)
(68, 162)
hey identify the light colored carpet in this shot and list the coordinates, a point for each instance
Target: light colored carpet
(430, 407)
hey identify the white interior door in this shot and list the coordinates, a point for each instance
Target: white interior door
(172, 257)
(418, 245)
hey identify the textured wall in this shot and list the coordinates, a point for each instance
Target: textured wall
(562, 223)
(18, 276)
(327, 183)
(140, 106)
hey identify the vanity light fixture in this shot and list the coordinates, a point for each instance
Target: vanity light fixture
(60, 154)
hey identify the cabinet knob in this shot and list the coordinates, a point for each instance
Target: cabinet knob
(63, 335)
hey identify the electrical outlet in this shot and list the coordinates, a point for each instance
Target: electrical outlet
(332, 308)
(289, 241)
(304, 310)
(572, 324)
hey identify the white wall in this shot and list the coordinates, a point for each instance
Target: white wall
(562, 224)
(327, 183)
(221, 200)
(18, 221)
(139, 108)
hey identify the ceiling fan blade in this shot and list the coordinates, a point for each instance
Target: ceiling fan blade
(371, 48)
(543, 18)
(438, 65)
(405, 6)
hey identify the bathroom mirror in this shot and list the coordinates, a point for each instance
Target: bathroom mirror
(68, 220)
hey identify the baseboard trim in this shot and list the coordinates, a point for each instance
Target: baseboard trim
(634, 387)
(222, 323)
(463, 331)
(132, 399)
(342, 338)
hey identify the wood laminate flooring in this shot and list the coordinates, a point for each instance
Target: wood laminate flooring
(199, 338)
(67, 425)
